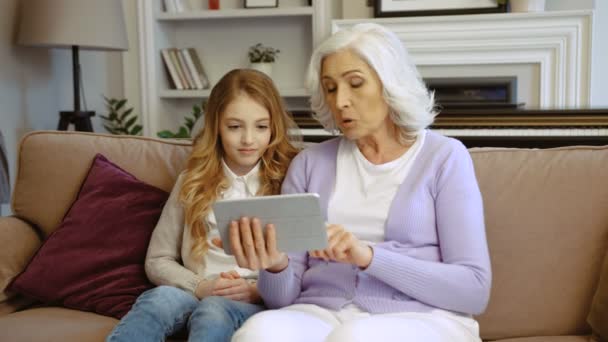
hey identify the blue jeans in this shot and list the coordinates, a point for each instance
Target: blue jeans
(165, 310)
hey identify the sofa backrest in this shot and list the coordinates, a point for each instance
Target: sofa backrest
(546, 214)
(52, 165)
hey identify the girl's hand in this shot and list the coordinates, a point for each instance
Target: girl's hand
(254, 249)
(237, 289)
(230, 275)
(343, 246)
(206, 287)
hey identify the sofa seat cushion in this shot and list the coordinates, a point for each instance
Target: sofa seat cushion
(548, 339)
(51, 324)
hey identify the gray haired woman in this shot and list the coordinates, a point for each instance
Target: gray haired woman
(407, 256)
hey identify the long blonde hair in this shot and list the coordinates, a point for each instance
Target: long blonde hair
(204, 179)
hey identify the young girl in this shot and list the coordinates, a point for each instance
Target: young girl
(242, 151)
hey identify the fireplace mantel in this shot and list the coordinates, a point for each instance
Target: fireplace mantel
(558, 42)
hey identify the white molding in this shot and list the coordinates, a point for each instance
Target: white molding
(321, 22)
(148, 84)
(237, 13)
(559, 42)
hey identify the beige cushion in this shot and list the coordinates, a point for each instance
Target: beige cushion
(19, 242)
(547, 227)
(598, 316)
(53, 164)
(55, 324)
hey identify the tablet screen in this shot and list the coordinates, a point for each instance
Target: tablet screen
(297, 218)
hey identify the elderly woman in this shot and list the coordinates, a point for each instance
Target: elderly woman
(407, 258)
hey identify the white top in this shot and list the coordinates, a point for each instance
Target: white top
(169, 260)
(363, 192)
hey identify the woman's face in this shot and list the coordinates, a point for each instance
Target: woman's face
(353, 92)
(245, 133)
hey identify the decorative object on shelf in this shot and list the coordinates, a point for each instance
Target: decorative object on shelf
(525, 5)
(5, 185)
(185, 131)
(261, 3)
(120, 118)
(261, 58)
(214, 4)
(75, 24)
(177, 6)
(398, 8)
(474, 92)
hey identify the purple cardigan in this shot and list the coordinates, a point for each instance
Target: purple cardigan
(435, 254)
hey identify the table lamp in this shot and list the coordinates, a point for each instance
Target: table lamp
(75, 24)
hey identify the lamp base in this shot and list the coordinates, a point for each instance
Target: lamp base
(80, 119)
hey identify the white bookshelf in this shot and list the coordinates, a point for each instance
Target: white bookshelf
(222, 38)
(306, 11)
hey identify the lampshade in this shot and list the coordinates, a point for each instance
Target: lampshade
(88, 24)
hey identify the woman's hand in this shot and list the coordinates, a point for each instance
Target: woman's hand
(343, 246)
(237, 289)
(254, 249)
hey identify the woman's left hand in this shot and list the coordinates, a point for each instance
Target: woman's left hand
(343, 246)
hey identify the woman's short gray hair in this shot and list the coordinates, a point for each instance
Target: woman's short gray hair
(412, 105)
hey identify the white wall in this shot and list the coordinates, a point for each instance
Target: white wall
(36, 83)
(599, 63)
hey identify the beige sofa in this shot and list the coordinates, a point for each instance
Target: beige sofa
(546, 215)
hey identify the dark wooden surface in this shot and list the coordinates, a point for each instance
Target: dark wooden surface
(510, 119)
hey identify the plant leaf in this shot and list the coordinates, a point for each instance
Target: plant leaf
(136, 130)
(120, 104)
(130, 122)
(126, 113)
(165, 134)
(183, 133)
(109, 129)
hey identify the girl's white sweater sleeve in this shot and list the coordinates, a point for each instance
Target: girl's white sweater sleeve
(164, 264)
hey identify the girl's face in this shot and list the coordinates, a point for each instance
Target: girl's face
(245, 133)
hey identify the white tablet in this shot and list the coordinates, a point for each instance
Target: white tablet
(297, 219)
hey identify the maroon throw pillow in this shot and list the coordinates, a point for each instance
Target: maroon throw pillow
(94, 260)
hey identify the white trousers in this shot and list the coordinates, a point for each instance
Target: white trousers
(312, 323)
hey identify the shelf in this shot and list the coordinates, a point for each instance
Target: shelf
(193, 94)
(237, 13)
(184, 94)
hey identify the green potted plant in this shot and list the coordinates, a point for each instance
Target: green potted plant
(185, 130)
(120, 118)
(261, 57)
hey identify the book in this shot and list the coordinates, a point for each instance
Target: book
(192, 69)
(184, 65)
(172, 71)
(178, 67)
(199, 68)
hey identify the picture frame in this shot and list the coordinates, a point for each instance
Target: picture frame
(409, 8)
(261, 3)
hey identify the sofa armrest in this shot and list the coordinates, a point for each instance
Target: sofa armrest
(19, 242)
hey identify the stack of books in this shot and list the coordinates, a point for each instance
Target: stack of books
(185, 69)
